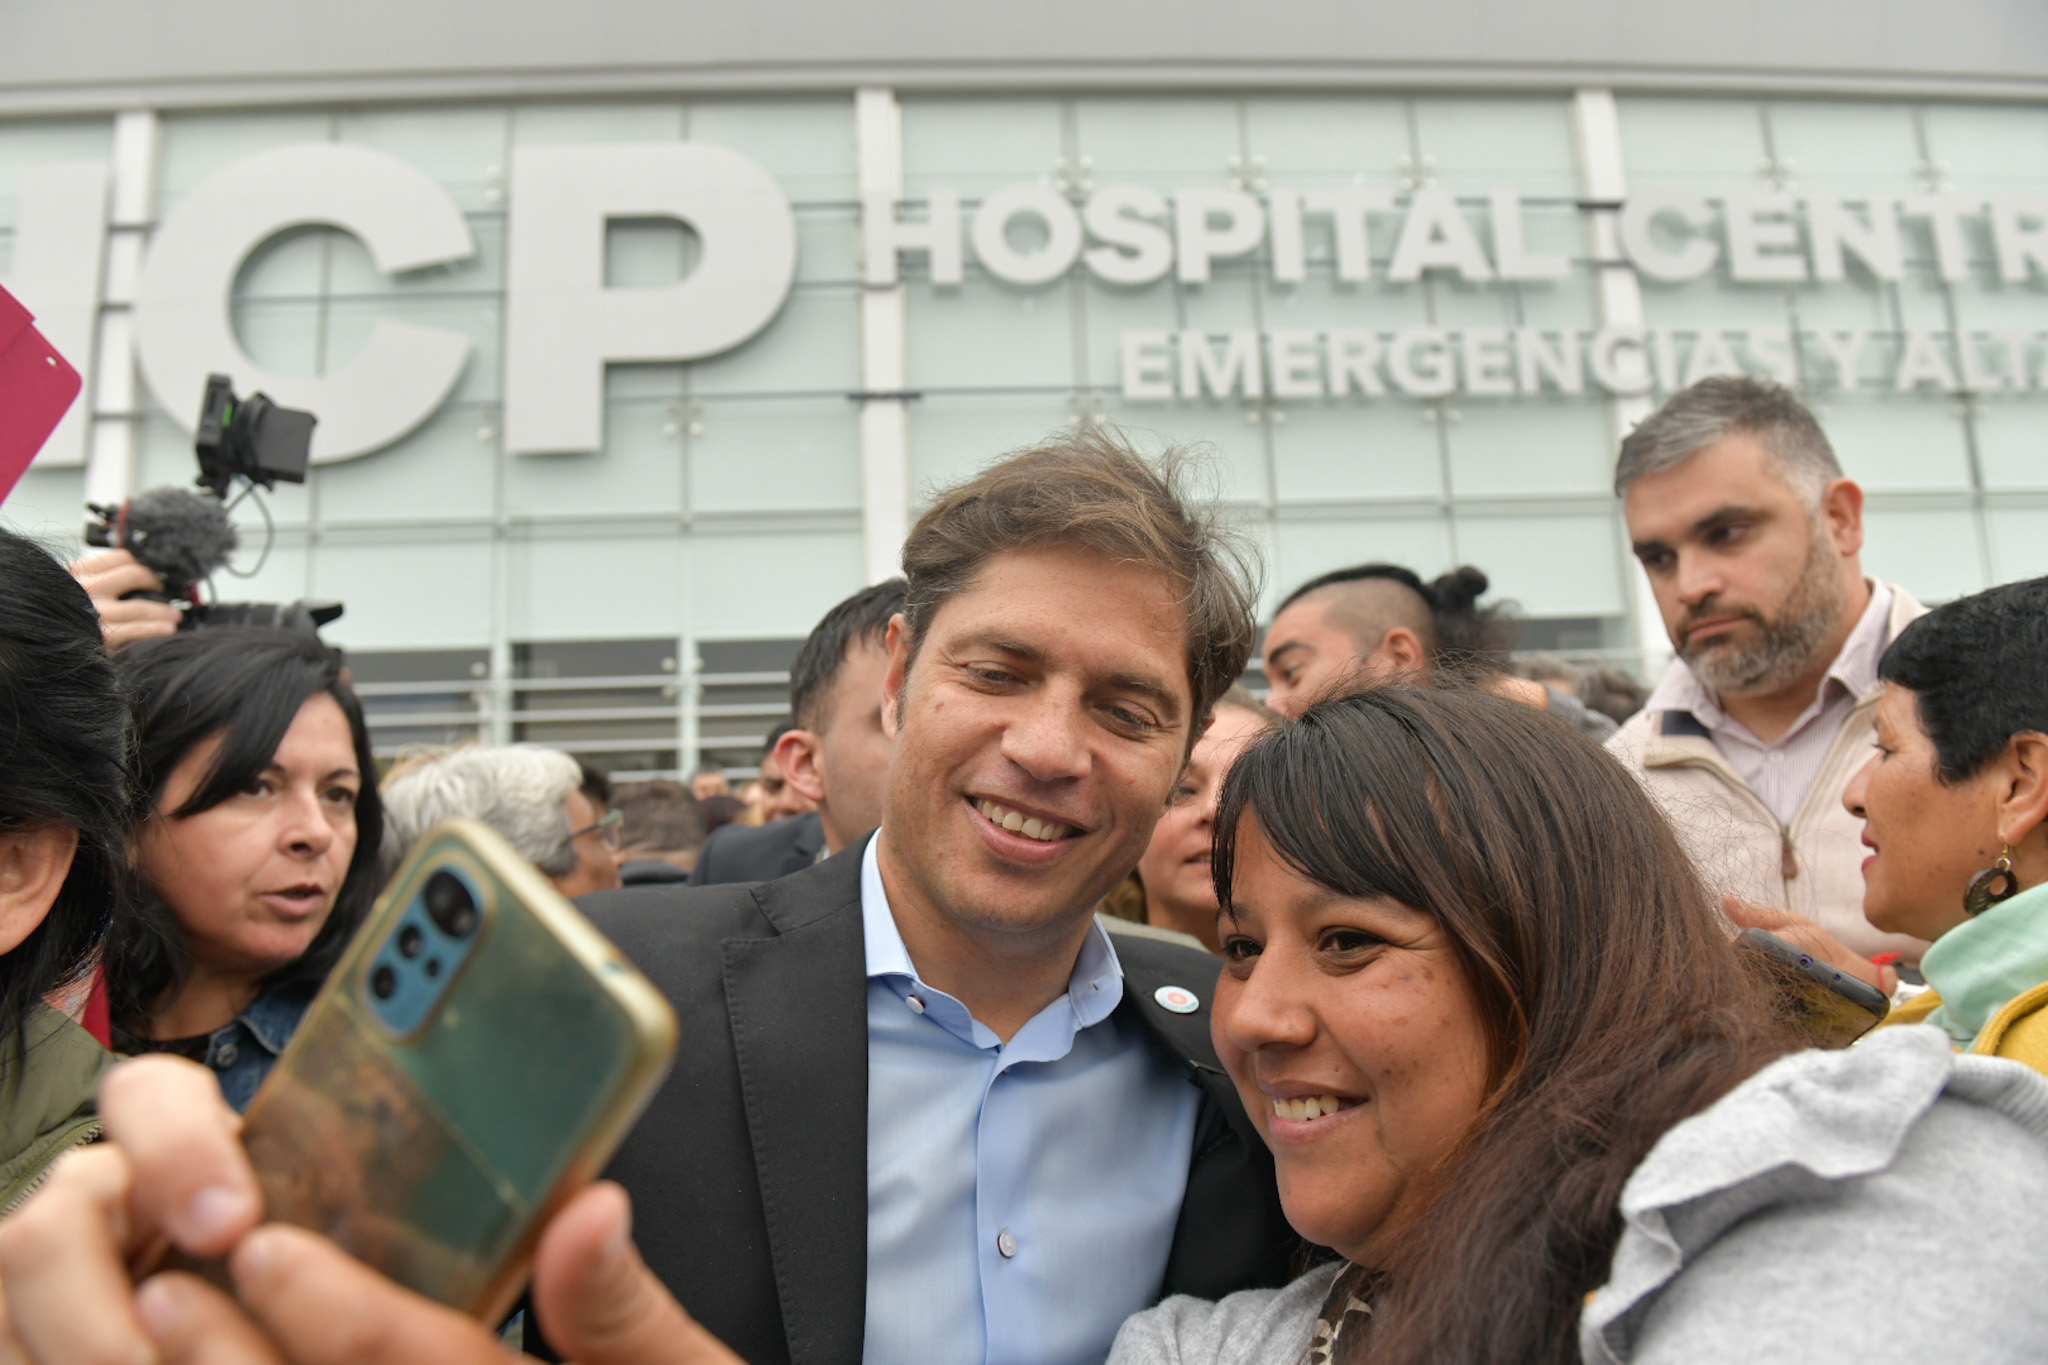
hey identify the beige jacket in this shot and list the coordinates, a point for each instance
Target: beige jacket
(1813, 866)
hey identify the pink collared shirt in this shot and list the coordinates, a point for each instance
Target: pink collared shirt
(1781, 773)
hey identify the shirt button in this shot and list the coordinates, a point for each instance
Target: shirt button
(1006, 1244)
(226, 1055)
(916, 1005)
(1777, 755)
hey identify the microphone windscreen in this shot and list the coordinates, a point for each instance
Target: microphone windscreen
(181, 535)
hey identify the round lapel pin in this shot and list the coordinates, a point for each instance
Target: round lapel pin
(1179, 999)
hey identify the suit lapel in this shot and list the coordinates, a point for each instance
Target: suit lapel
(798, 1003)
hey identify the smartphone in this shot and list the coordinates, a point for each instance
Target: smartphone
(1835, 1007)
(476, 1056)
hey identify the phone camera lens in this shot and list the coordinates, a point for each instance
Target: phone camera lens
(384, 981)
(451, 905)
(410, 941)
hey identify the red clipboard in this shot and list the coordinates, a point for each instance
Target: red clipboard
(36, 387)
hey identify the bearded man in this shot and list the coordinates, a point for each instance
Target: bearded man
(1738, 512)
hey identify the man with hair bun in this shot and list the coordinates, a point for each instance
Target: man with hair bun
(1739, 514)
(1375, 622)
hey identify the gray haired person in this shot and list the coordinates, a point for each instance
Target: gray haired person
(1739, 513)
(533, 796)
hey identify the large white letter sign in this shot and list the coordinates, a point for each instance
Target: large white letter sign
(563, 324)
(181, 306)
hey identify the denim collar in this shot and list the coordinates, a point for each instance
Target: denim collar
(273, 1016)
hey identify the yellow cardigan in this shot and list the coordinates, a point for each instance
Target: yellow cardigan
(2018, 1031)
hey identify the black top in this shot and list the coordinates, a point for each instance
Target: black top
(748, 1170)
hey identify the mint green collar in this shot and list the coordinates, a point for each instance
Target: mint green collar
(1983, 963)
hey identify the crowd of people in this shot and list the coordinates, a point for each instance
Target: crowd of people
(1058, 999)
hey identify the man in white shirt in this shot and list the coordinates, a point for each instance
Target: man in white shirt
(1751, 537)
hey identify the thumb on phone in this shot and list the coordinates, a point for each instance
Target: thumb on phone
(598, 1301)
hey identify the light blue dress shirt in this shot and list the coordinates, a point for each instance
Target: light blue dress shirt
(1021, 1197)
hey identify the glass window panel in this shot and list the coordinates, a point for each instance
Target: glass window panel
(401, 594)
(989, 334)
(443, 469)
(49, 505)
(828, 246)
(953, 435)
(974, 146)
(282, 576)
(29, 142)
(767, 586)
(294, 264)
(463, 147)
(2019, 542)
(1714, 301)
(1356, 450)
(1989, 148)
(639, 470)
(1858, 303)
(1108, 311)
(794, 454)
(647, 252)
(1478, 144)
(1304, 548)
(806, 144)
(558, 124)
(1327, 142)
(1562, 564)
(282, 336)
(1886, 440)
(573, 588)
(1932, 552)
(1701, 145)
(1168, 144)
(195, 146)
(1987, 305)
(2009, 445)
(1848, 149)
(1507, 447)
(1229, 438)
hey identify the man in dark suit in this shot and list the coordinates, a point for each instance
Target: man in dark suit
(835, 756)
(985, 1150)
(924, 1109)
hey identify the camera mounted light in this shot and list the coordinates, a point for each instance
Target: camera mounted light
(251, 438)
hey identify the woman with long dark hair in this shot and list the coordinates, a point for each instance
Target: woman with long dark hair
(258, 852)
(1514, 1075)
(63, 845)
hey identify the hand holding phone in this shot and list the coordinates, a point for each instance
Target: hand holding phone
(1836, 1007)
(475, 1057)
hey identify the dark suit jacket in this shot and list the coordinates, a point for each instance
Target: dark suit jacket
(749, 1169)
(759, 853)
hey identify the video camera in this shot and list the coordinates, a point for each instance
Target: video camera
(185, 537)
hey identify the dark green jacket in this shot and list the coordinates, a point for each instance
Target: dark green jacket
(48, 1078)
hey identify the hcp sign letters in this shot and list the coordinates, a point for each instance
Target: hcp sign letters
(563, 324)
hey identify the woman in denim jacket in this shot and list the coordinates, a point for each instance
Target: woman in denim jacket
(258, 854)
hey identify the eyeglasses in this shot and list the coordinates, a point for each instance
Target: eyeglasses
(610, 827)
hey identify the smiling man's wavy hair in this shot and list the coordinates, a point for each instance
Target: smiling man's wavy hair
(1092, 491)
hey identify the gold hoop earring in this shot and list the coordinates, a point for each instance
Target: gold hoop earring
(1994, 884)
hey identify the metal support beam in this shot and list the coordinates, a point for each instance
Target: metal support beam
(884, 361)
(116, 395)
(1603, 179)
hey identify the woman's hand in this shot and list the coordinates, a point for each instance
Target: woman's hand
(173, 1173)
(108, 575)
(1803, 932)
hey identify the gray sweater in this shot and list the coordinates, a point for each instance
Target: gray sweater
(1884, 1204)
